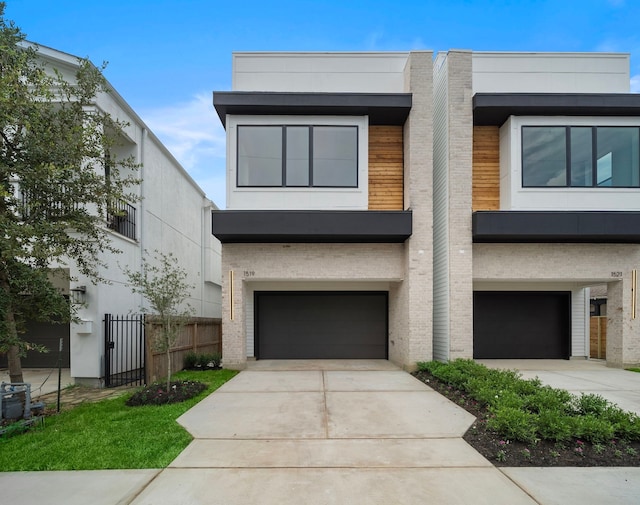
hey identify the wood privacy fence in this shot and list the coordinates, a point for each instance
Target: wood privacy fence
(202, 335)
(598, 337)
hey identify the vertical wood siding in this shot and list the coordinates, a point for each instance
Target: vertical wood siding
(386, 164)
(486, 168)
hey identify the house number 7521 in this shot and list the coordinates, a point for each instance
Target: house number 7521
(616, 274)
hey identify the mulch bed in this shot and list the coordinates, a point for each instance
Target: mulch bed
(502, 452)
(157, 394)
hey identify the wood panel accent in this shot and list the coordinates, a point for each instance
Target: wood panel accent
(486, 168)
(598, 337)
(386, 168)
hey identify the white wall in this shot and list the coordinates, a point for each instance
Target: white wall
(514, 197)
(256, 198)
(319, 72)
(498, 72)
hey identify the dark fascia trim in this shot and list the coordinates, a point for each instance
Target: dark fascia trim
(283, 226)
(382, 108)
(493, 109)
(556, 226)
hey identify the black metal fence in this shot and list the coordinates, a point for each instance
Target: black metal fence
(124, 349)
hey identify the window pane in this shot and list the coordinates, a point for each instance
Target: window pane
(259, 156)
(617, 156)
(544, 156)
(335, 156)
(581, 156)
(297, 156)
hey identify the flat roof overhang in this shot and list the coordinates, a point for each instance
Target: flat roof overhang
(556, 226)
(493, 109)
(382, 108)
(302, 226)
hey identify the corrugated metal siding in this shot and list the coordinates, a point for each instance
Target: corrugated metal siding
(440, 215)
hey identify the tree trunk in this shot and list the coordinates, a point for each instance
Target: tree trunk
(15, 367)
(13, 354)
(168, 368)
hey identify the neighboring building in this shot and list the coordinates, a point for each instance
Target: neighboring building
(537, 177)
(173, 216)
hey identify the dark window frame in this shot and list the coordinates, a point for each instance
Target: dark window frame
(310, 128)
(594, 156)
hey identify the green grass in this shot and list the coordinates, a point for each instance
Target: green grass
(527, 411)
(634, 369)
(108, 434)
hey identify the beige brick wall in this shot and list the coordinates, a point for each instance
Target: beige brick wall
(459, 204)
(582, 264)
(308, 263)
(414, 296)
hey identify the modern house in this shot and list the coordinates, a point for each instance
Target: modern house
(389, 205)
(537, 198)
(172, 216)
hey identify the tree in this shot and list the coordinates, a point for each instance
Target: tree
(58, 178)
(164, 284)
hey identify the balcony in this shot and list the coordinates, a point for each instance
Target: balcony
(121, 218)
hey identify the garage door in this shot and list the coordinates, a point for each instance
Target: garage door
(321, 325)
(521, 325)
(47, 335)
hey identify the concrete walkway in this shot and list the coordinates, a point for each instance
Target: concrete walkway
(327, 433)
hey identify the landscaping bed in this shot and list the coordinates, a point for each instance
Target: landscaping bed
(523, 423)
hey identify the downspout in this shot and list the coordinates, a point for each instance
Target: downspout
(141, 232)
(203, 253)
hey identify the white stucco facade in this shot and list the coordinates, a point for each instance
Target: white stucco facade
(172, 216)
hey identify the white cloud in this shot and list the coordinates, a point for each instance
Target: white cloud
(194, 135)
(635, 84)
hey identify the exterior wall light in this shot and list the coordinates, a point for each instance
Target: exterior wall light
(78, 295)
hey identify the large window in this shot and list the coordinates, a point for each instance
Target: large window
(297, 156)
(581, 156)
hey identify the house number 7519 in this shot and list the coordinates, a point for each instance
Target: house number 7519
(249, 273)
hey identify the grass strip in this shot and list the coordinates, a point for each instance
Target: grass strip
(108, 434)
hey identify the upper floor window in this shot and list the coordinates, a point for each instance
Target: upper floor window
(581, 156)
(297, 156)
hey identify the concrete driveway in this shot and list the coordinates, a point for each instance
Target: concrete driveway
(327, 433)
(278, 434)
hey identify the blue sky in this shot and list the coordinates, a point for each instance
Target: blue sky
(166, 57)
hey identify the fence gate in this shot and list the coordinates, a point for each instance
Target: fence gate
(123, 350)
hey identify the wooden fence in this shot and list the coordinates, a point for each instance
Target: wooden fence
(202, 335)
(598, 337)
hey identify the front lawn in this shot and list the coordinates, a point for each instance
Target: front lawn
(108, 434)
(524, 423)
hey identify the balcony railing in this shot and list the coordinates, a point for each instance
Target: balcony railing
(121, 218)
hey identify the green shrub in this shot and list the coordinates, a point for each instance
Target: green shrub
(203, 361)
(547, 398)
(555, 425)
(590, 404)
(190, 360)
(592, 429)
(514, 424)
